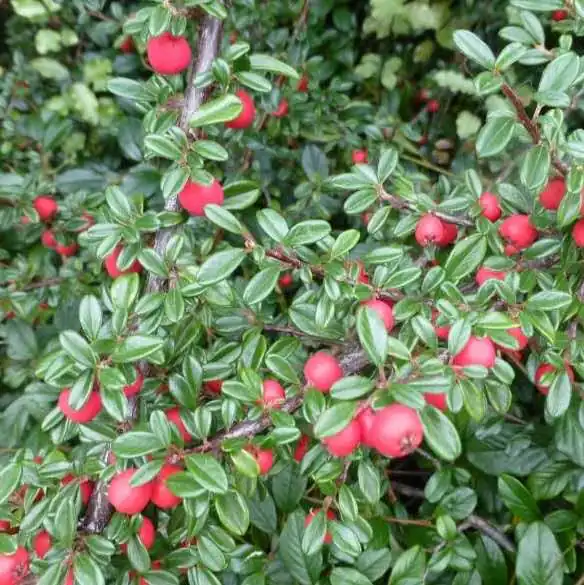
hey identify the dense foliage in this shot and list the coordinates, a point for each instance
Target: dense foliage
(291, 292)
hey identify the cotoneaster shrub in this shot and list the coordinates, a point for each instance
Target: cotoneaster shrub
(291, 293)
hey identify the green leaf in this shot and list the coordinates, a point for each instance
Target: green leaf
(90, 316)
(136, 444)
(348, 576)
(518, 499)
(87, 570)
(314, 534)
(163, 146)
(535, 168)
(351, 387)
(307, 232)
(372, 335)
(409, 568)
(136, 348)
(9, 479)
(221, 109)
(223, 218)
(334, 419)
(560, 73)
(219, 266)
(288, 487)
(494, 136)
(210, 150)
(261, 285)
(345, 242)
(539, 558)
(232, 511)
(559, 396)
(273, 224)
(78, 348)
(441, 434)
(387, 164)
(128, 88)
(304, 569)
(548, 301)
(261, 62)
(466, 256)
(208, 472)
(474, 48)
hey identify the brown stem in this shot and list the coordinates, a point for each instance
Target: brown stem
(210, 33)
(473, 520)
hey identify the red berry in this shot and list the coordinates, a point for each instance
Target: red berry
(429, 230)
(146, 534)
(173, 415)
(433, 106)
(48, 239)
(67, 250)
(5, 526)
(86, 413)
(247, 115)
(282, 109)
(167, 54)
(559, 15)
(127, 45)
(384, 311)
(69, 579)
(366, 418)
(441, 331)
(519, 231)
(125, 498)
(135, 387)
(46, 207)
(85, 486)
(330, 515)
(301, 448)
(397, 430)
(265, 460)
(162, 497)
(483, 274)
(436, 400)
(213, 386)
(302, 84)
(322, 370)
(578, 233)
(511, 250)
(272, 394)
(478, 351)
(195, 196)
(363, 277)
(14, 567)
(345, 441)
(449, 236)
(423, 95)
(547, 369)
(111, 264)
(285, 280)
(360, 156)
(89, 221)
(42, 543)
(551, 197)
(489, 203)
(423, 140)
(522, 339)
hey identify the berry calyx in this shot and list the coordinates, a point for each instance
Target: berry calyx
(383, 310)
(173, 415)
(125, 498)
(330, 515)
(301, 448)
(46, 207)
(544, 369)
(111, 264)
(366, 418)
(478, 351)
(518, 231)
(429, 230)
(551, 197)
(14, 567)
(161, 496)
(86, 413)
(282, 109)
(48, 239)
(272, 394)
(322, 370)
(42, 544)
(195, 196)
(483, 274)
(491, 209)
(578, 233)
(168, 54)
(345, 441)
(85, 487)
(397, 430)
(436, 400)
(135, 387)
(246, 116)
(360, 156)
(433, 106)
